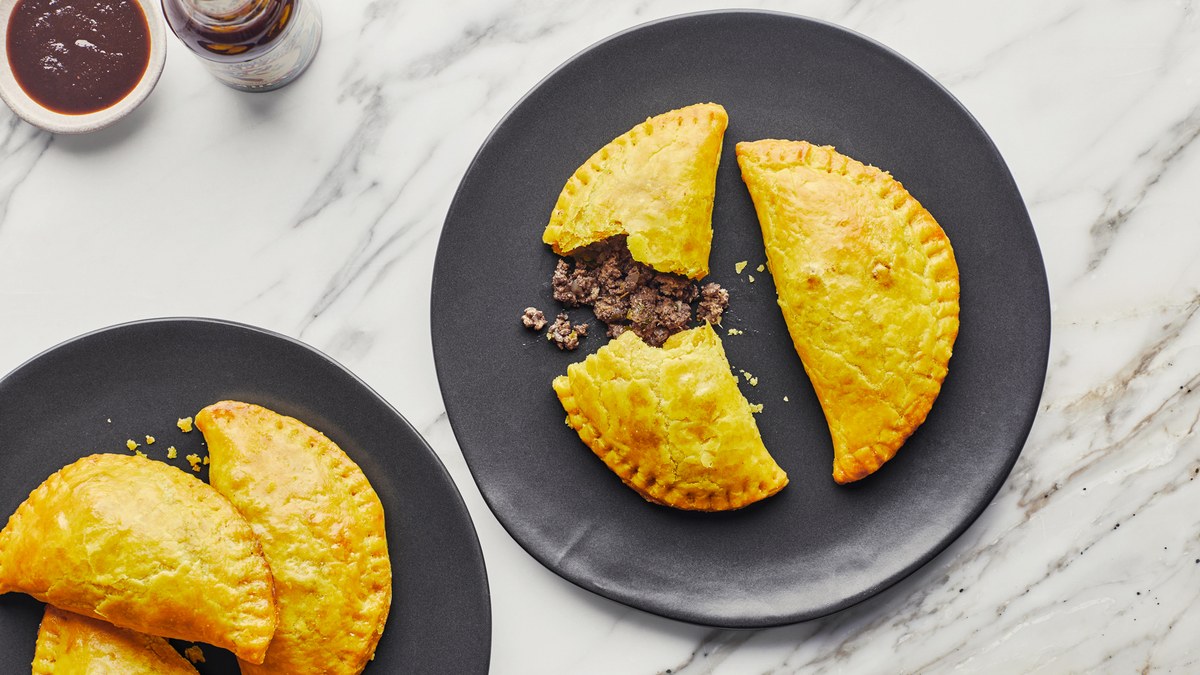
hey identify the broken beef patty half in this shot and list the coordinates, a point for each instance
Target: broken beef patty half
(629, 295)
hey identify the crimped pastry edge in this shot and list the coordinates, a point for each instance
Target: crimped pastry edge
(58, 477)
(47, 645)
(697, 113)
(49, 637)
(363, 497)
(775, 154)
(646, 485)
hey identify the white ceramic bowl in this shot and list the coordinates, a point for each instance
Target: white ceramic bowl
(30, 111)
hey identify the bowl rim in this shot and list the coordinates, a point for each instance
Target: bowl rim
(36, 114)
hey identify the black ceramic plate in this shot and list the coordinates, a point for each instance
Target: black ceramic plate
(143, 376)
(815, 547)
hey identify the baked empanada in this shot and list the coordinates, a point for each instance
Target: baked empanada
(671, 421)
(70, 644)
(868, 286)
(655, 183)
(322, 529)
(142, 545)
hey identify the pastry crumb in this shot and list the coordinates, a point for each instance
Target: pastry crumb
(206, 460)
(533, 318)
(194, 654)
(149, 439)
(738, 267)
(194, 460)
(109, 420)
(756, 407)
(785, 399)
(139, 453)
(734, 331)
(172, 453)
(760, 268)
(754, 382)
(132, 444)
(750, 277)
(185, 424)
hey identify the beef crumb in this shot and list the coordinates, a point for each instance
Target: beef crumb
(533, 318)
(714, 300)
(564, 335)
(194, 654)
(628, 295)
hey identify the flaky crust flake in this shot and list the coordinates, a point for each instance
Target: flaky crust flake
(869, 288)
(671, 422)
(70, 644)
(654, 183)
(322, 529)
(145, 546)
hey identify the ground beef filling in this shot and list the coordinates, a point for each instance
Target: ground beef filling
(533, 318)
(564, 335)
(713, 301)
(628, 295)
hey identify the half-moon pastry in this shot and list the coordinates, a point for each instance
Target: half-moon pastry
(322, 529)
(145, 546)
(70, 644)
(868, 286)
(671, 422)
(654, 183)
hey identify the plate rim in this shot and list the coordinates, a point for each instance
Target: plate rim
(458, 504)
(1039, 285)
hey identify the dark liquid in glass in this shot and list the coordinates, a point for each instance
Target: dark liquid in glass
(228, 32)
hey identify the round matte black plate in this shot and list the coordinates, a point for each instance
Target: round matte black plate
(815, 547)
(94, 392)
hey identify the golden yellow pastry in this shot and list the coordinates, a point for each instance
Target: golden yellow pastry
(671, 421)
(145, 546)
(655, 183)
(322, 529)
(70, 644)
(868, 286)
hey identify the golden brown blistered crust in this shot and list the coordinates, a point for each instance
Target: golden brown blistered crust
(655, 183)
(322, 529)
(70, 644)
(671, 422)
(145, 546)
(868, 286)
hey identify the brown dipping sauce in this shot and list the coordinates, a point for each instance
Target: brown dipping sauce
(78, 56)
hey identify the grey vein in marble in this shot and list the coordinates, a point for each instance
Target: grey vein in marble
(1153, 163)
(21, 146)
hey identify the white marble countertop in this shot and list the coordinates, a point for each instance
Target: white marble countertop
(315, 211)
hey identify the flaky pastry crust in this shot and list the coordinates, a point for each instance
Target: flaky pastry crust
(671, 422)
(70, 644)
(145, 546)
(868, 285)
(322, 529)
(655, 183)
